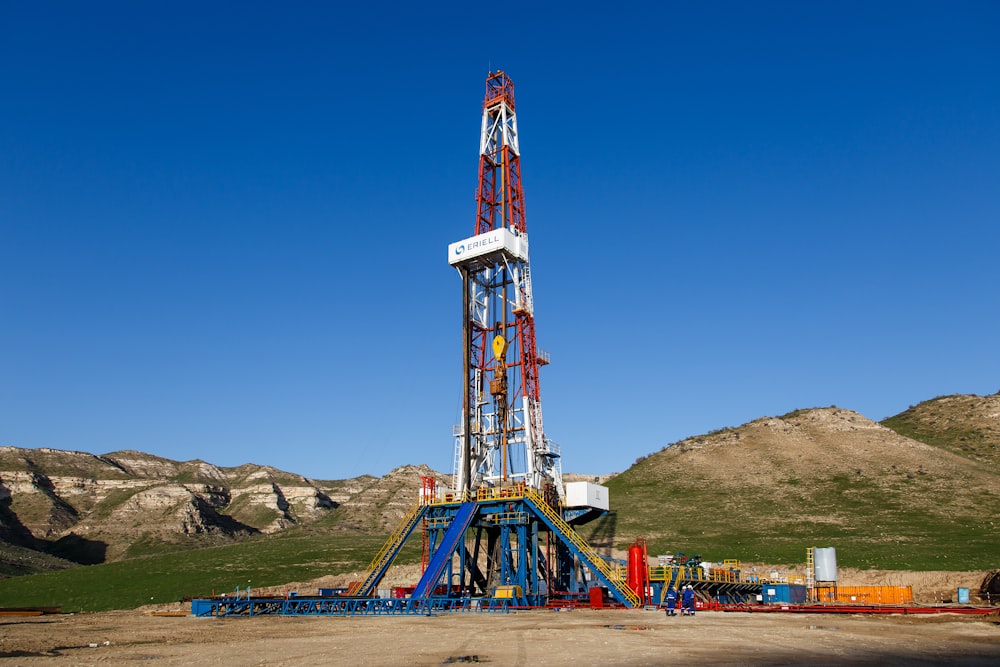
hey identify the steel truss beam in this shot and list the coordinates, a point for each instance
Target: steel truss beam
(335, 606)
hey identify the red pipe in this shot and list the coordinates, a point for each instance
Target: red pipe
(856, 609)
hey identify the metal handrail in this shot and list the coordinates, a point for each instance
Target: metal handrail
(593, 558)
(397, 537)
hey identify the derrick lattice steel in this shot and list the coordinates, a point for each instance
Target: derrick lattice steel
(500, 531)
(501, 438)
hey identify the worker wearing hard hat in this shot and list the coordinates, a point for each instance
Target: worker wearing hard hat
(671, 599)
(687, 601)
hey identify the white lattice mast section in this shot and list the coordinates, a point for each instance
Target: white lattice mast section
(501, 439)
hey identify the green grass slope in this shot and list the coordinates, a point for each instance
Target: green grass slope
(966, 425)
(769, 489)
(16, 561)
(300, 555)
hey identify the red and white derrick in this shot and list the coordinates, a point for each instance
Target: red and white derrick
(501, 439)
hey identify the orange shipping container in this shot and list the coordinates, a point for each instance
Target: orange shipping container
(865, 594)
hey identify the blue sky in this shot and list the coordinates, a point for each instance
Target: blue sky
(223, 225)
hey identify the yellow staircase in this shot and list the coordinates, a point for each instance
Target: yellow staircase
(382, 561)
(586, 552)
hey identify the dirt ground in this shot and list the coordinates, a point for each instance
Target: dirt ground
(548, 638)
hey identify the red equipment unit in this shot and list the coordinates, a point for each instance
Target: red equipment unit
(428, 491)
(638, 569)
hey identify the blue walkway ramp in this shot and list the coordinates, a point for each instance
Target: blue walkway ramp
(449, 543)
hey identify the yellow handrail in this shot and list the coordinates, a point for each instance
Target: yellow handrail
(592, 557)
(448, 498)
(694, 573)
(397, 537)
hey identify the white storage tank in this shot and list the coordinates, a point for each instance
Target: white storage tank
(825, 563)
(586, 494)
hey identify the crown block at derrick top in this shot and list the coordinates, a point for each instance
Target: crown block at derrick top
(504, 241)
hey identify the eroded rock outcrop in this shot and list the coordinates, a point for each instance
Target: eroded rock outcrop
(75, 500)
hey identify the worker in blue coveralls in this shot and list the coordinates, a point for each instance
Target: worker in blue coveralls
(671, 602)
(687, 601)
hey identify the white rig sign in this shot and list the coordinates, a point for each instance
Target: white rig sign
(498, 240)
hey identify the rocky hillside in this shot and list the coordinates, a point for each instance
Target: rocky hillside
(821, 477)
(91, 508)
(384, 502)
(919, 491)
(966, 425)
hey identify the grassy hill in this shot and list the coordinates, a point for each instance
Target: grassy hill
(966, 425)
(297, 555)
(826, 477)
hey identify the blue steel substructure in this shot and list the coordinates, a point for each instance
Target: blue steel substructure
(504, 535)
(449, 543)
(501, 530)
(497, 534)
(332, 606)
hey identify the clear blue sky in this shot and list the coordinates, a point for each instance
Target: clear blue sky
(223, 225)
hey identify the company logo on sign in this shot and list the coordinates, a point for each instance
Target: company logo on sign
(497, 240)
(478, 242)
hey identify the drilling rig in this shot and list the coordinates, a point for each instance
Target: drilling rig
(502, 534)
(504, 528)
